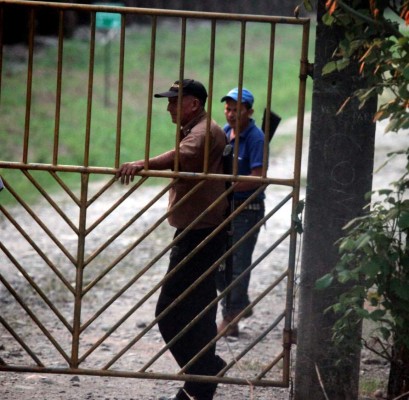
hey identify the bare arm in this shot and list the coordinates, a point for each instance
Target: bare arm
(245, 186)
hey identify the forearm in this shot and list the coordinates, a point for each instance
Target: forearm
(163, 161)
(246, 186)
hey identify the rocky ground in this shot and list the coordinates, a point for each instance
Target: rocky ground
(27, 386)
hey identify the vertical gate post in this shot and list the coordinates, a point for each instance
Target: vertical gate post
(340, 169)
(79, 271)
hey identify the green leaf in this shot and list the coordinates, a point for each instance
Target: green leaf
(364, 95)
(349, 224)
(385, 332)
(402, 41)
(385, 192)
(406, 73)
(370, 269)
(344, 276)
(377, 315)
(355, 45)
(363, 241)
(403, 91)
(343, 63)
(324, 282)
(405, 204)
(347, 244)
(401, 289)
(327, 19)
(392, 214)
(329, 67)
(403, 221)
(308, 5)
(362, 313)
(393, 125)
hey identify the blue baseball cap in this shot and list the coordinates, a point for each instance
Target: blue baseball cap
(246, 96)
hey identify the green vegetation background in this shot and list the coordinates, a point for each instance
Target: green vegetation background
(72, 126)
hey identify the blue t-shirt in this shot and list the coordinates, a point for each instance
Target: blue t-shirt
(251, 146)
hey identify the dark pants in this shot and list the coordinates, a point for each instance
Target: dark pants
(242, 258)
(205, 329)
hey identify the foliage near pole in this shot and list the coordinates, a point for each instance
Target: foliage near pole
(376, 36)
(374, 252)
(340, 164)
(375, 259)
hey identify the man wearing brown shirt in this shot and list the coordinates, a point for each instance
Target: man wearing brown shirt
(191, 156)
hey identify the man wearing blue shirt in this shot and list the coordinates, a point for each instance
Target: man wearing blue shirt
(250, 162)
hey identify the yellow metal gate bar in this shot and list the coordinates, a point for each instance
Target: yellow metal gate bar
(87, 253)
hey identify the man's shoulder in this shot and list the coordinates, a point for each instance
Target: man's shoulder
(202, 123)
(255, 133)
(215, 128)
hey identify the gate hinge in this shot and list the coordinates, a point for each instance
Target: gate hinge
(289, 337)
(307, 69)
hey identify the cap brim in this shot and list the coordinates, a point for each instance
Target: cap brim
(232, 98)
(169, 93)
(226, 98)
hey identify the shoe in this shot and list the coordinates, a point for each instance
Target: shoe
(232, 330)
(248, 313)
(175, 397)
(180, 395)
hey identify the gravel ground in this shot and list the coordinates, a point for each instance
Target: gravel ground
(27, 386)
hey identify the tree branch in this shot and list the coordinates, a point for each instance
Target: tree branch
(388, 27)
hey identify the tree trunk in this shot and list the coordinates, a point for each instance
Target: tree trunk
(398, 383)
(339, 175)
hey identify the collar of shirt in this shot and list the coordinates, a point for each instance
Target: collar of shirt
(188, 127)
(244, 133)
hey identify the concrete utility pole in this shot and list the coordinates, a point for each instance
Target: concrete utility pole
(339, 174)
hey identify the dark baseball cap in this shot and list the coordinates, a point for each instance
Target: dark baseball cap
(189, 87)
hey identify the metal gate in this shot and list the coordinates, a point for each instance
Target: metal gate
(82, 260)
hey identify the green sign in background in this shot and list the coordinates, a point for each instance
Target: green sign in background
(108, 20)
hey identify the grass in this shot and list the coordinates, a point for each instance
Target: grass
(72, 126)
(368, 386)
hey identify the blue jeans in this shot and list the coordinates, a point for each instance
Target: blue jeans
(242, 256)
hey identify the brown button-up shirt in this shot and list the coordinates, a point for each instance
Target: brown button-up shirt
(191, 159)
